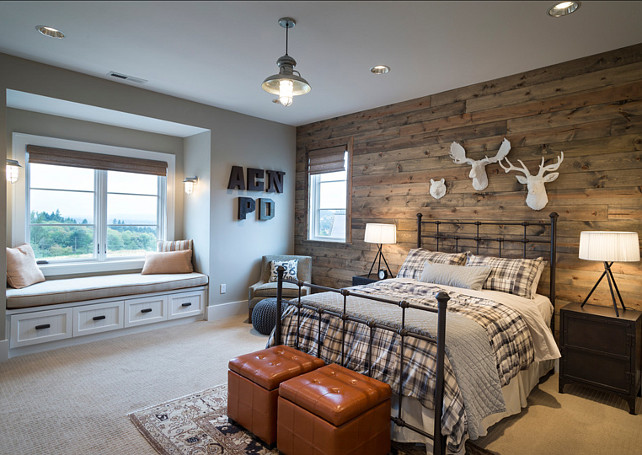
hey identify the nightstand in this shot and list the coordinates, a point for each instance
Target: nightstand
(601, 350)
(358, 280)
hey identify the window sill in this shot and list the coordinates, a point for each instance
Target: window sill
(78, 268)
(323, 241)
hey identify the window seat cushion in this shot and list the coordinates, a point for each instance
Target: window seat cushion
(52, 292)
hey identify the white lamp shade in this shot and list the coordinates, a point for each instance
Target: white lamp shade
(380, 233)
(609, 246)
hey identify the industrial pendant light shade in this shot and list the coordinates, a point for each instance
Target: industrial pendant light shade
(286, 84)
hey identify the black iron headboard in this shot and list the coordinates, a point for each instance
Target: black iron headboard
(463, 233)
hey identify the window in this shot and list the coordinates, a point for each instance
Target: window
(92, 209)
(328, 177)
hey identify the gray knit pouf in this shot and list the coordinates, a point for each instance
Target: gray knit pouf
(264, 315)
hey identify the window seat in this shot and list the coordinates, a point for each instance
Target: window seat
(67, 290)
(58, 313)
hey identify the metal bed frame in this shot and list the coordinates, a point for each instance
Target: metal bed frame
(439, 440)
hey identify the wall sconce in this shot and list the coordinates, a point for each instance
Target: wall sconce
(13, 170)
(189, 183)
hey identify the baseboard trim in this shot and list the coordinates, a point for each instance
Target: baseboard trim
(226, 310)
(4, 350)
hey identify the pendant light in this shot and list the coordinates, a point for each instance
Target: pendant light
(286, 84)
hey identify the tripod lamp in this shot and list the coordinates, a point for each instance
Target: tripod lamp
(380, 234)
(609, 247)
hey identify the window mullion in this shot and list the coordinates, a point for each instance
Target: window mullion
(101, 215)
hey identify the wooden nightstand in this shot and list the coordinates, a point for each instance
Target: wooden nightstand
(358, 280)
(601, 350)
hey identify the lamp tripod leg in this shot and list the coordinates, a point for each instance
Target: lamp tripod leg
(608, 277)
(612, 279)
(373, 263)
(594, 287)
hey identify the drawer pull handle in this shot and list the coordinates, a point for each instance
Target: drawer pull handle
(43, 326)
(187, 304)
(146, 310)
(98, 318)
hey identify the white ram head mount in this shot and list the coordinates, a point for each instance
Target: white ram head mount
(537, 198)
(438, 188)
(478, 171)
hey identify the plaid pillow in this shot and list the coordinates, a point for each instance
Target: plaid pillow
(515, 276)
(290, 269)
(413, 266)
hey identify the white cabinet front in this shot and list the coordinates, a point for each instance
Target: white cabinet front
(184, 305)
(98, 318)
(146, 310)
(40, 327)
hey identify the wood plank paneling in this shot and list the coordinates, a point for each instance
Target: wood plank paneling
(590, 108)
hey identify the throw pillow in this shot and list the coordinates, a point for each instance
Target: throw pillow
(22, 270)
(455, 275)
(414, 263)
(290, 269)
(174, 245)
(168, 262)
(515, 276)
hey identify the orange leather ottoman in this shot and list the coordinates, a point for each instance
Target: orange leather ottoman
(333, 411)
(253, 386)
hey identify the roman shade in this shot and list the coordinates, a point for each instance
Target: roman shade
(73, 158)
(322, 161)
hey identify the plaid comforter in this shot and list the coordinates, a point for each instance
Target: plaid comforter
(508, 336)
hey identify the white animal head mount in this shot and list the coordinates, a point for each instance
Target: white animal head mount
(537, 198)
(438, 188)
(478, 171)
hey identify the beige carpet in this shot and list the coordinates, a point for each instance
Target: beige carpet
(75, 400)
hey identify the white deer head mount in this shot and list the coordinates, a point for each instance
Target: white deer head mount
(478, 171)
(537, 198)
(438, 188)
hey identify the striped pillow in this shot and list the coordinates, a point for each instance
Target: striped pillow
(515, 276)
(414, 263)
(174, 245)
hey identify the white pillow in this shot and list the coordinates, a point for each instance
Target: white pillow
(455, 275)
(290, 269)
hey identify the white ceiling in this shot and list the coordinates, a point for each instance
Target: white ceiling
(218, 53)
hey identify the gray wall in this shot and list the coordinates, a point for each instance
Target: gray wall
(235, 247)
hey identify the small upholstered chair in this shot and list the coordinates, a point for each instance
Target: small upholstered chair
(265, 288)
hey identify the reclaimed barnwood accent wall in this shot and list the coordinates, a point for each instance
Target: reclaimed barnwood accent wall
(590, 108)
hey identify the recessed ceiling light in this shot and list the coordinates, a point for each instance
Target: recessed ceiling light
(380, 69)
(563, 8)
(50, 31)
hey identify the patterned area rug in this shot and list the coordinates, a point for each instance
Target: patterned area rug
(196, 424)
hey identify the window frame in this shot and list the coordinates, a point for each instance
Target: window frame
(313, 182)
(99, 263)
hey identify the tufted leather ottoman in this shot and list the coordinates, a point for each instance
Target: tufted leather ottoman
(333, 411)
(253, 386)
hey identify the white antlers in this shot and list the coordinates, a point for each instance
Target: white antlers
(537, 198)
(478, 171)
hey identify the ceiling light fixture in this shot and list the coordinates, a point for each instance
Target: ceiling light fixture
(380, 69)
(563, 8)
(50, 32)
(286, 84)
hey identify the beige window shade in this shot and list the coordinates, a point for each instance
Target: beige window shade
(322, 161)
(73, 158)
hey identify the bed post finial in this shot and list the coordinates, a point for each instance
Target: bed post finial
(279, 295)
(419, 215)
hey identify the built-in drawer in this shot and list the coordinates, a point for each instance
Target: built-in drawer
(600, 334)
(146, 310)
(40, 327)
(185, 304)
(101, 317)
